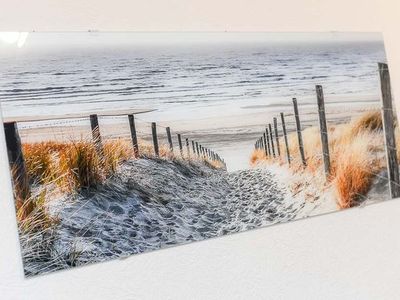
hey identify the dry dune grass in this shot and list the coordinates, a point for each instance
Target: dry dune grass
(215, 164)
(356, 151)
(257, 155)
(71, 166)
(354, 169)
(369, 121)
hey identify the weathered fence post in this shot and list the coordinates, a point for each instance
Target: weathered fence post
(17, 163)
(277, 137)
(169, 137)
(271, 139)
(323, 129)
(285, 137)
(187, 147)
(197, 149)
(94, 124)
(180, 144)
(133, 135)
(193, 148)
(298, 129)
(388, 127)
(268, 143)
(155, 139)
(264, 143)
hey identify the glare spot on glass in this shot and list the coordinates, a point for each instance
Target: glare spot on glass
(17, 38)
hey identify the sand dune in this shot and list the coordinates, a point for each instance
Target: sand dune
(153, 203)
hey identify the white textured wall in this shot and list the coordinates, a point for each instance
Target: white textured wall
(353, 254)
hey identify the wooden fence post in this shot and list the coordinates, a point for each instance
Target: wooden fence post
(271, 139)
(285, 137)
(197, 149)
(187, 147)
(298, 129)
(277, 137)
(94, 124)
(169, 137)
(388, 127)
(155, 139)
(17, 163)
(323, 129)
(193, 148)
(268, 143)
(264, 143)
(133, 135)
(180, 144)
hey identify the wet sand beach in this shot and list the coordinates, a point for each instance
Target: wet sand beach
(231, 134)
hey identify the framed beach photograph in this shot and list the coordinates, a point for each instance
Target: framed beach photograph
(121, 143)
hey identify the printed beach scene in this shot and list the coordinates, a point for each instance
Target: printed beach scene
(123, 143)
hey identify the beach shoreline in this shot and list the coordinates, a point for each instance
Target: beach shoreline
(230, 135)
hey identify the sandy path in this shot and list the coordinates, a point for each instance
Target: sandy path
(152, 204)
(255, 200)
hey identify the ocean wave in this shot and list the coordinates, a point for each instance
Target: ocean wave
(121, 79)
(270, 75)
(65, 73)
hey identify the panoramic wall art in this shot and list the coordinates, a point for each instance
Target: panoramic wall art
(123, 143)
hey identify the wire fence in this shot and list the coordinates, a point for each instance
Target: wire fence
(99, 129)
(269, 141)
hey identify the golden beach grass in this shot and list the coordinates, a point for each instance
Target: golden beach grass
(75, 165)
(356, 152)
